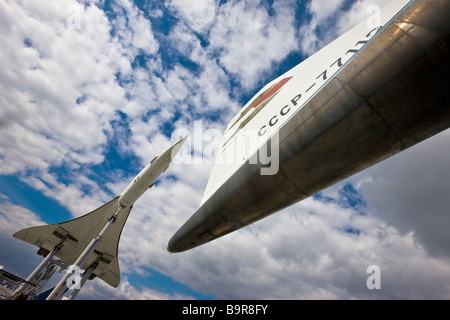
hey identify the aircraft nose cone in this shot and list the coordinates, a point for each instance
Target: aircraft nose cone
(175, 148)
(171, 248)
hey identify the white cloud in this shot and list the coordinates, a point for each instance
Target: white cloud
(248, 40)
(410, 192)
(198, 15)
(99, 290)
(330, 19)
(133, 30)
(14, 217)
(70, 196)
(56, 105)
(17, 256)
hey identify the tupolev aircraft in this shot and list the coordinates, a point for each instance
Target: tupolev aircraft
(375, 91)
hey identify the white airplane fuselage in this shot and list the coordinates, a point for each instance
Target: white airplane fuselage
(147, 177)
(373, 92)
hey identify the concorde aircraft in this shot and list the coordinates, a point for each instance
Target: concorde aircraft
(90, 243)
(375, 91)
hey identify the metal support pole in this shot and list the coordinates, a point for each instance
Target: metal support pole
(45, 276)
(57, 292)
(34, 276)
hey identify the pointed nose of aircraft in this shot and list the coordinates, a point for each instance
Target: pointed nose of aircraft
(175, 148)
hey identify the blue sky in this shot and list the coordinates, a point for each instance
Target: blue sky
(90, 91)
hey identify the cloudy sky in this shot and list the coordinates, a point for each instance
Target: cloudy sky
(91, 91)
